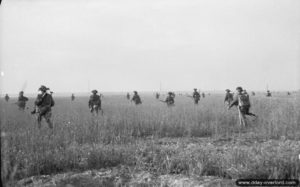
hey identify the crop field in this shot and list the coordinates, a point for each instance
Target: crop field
(150, 144)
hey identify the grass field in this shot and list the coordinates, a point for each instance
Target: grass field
(203, 140)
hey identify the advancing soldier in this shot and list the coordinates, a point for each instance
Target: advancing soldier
(173, 94)
(196, 96)
(136, 98)
(170, 99)
(6, 97)
(22, 101)
(242, 101)
(128, 96)
(269, 93)
(288, 93)
(95, 102)
(157, 95)
(228, 97)
(203, 94)
(72, 97)
(43, 103)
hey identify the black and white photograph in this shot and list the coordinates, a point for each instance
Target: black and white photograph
(158, 93)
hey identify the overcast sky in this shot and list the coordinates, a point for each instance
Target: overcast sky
(125, 45)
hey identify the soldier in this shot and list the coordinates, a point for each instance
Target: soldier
(196, 96)
(242, 101)
(203, 94)
(173, 94)
(157, 95)
(128, 96)
(43, 103)
(253, 93)
(288, 93)
(170, 99)
(72, 97)
(22, 101)
(95, 102)
(269, 93)
(136, 98)
(228, 97)
(6, 97)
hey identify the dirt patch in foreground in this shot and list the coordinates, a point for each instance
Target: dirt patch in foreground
(117, 177)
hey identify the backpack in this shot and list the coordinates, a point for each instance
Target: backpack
(244, 100)
(52, 102)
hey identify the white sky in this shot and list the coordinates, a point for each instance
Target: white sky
(125, 45)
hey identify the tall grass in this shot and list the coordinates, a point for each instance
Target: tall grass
(137, 136)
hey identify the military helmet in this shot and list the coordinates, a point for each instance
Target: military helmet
(170, 93)
(195, 88)
(43, 88)
(239, 88)
(227, 90)
(94, 91)
(135, 92)
(21, 92)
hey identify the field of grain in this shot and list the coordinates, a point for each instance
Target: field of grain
(184, 140)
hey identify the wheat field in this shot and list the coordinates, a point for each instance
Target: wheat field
(189, 140)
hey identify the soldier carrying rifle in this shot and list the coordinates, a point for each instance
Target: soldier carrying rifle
(228, 97)
(72, 97)
(242, 101)
(269, 93)
(6, 97)
(170, 101)
(136, 98)
(203, 94)
(43, 104)
(95, 102)
(128, 96)
(157, 95)
(196, 96)
(22, 101)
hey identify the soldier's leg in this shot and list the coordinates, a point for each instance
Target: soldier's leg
(39, 120)
(47, 116)
(97, 110)
(242, 117)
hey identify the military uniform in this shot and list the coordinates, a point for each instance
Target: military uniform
(242, 101)
(43, 103)
(170, 99)
(157, 95)
(95, 102)
(128, 96)
(72, 97)
(228, 97)
(196, 96)
(136, 98)
(22, 101)
(269, 94)
(6, 98)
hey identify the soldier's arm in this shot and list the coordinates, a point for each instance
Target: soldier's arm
(234, 102)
